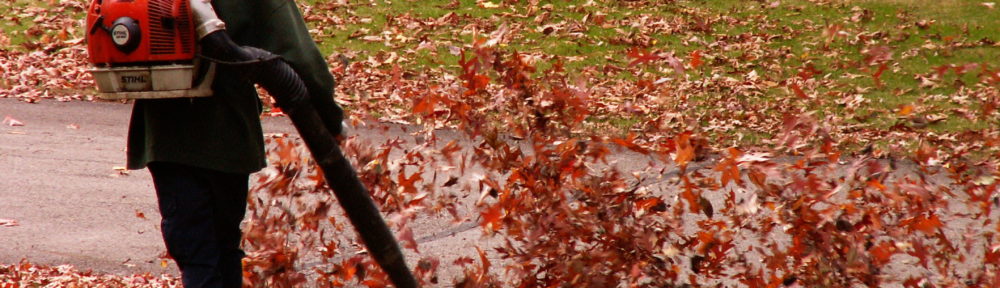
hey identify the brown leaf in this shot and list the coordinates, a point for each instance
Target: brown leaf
(451, 182)
(706, 206)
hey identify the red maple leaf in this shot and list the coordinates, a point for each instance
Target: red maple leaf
(629, 142)
(425, 105)
(409, 184)
(685, 151)
(926, 224)
(641, 56)
(473, 81)
(492, 217)
(462, 261)
(693, 199)
(878, 74)
(696, 59)
(919, 251)
(729, 169)
(798, 91)
(882, 252)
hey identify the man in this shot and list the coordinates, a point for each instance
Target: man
(201, 151)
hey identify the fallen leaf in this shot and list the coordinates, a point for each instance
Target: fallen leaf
(489, 5)
(462, 261)
(927, 225)
(406, 237)
(7, 120)
(798, 91)
(685, 151)
(8, 223)
(120, 171)
(985, 180)
(883, 252)
(451, 182)
(905, 110)
(696, 59)
(492, 218)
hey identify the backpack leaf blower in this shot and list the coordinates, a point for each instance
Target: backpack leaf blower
(143, 49)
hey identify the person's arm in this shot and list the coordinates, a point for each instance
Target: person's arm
(284, 32)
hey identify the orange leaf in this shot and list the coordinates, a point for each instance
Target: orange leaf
(486, 261)
(694, 201)
(645, 204)
(729, 169)
(882, 252)
(425, 105)
(705, 240)
(629, 142)
(874, 183)
(905, 110)
(696, 58)
(926, 224)
(685, 151)
(492, 217)
(409, 185)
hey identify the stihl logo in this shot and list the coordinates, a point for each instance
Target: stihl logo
(134, 79)
(120, 34)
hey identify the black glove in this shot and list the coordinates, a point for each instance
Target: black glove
(330, 112)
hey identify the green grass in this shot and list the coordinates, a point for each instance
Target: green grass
(15, 29)
(796, 25)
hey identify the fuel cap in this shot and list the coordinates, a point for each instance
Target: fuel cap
(126, 34)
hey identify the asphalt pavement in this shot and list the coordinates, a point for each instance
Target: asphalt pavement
(65, 197)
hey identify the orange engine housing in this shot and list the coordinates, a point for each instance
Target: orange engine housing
(128, 32)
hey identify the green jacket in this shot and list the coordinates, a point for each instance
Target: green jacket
(223, 132)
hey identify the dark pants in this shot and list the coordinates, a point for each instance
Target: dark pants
(202, 210)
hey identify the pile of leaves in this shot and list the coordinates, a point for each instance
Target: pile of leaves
(52, 61)
(25, 274)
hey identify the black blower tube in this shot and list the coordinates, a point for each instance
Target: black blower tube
(290, 93)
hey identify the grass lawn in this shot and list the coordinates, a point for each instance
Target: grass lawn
(872, 65)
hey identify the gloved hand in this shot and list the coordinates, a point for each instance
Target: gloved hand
(330, 112)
